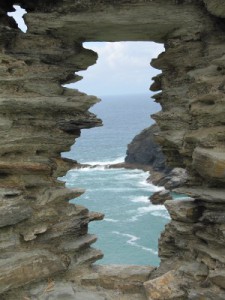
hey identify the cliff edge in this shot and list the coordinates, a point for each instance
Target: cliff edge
(145, 151)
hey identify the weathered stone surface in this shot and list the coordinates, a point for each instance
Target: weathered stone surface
(154, 29)
(211, 253)
(160, 197)
(32, 233)
(13, 209)
(184, 210)
(205, 293)
(216, 7)
(218, 277)
(215, 195)
(210, 163)
(64, 290)
(79, 244)
(128, 279)
(176, 177)
(24, 268)
(214, 217)
(164, 287)
(59, 194)
(9, 239)
(95, 216)
(195, 269)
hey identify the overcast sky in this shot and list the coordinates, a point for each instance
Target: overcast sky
(122, 67)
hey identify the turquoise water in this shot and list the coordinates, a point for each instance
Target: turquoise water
(132, 225)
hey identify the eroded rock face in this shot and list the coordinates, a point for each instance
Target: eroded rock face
(159, 198)
(145, 151)
(41, 232)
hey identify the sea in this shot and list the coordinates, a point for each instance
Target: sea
(132, 226)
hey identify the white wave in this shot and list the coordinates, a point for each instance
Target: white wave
(143, 199)
(163, 214)
(70, 176)
(105, 163)
(110, 220)
(134, 218)
(132, 241)
(141, 211)
(150, 208)
(148, 249)
(139, 171)
(132, 238)
(151, 187)
(91, 169)
(113, 189)
(183, 198)
(131, 175)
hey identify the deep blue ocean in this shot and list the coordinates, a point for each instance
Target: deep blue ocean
(132, 225)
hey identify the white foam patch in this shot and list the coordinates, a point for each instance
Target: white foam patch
(132, 175)
(141, 211)
(91, 169)
(183, 198)
(141, 199)
(132, 238)
(105, 163)
(150, 208)
(163, 214)
(110, 220)
(134, 218)
(70, 176)
(113, 189)
(132, 241)
(151, 187)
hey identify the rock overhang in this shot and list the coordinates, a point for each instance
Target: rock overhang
(115, 20)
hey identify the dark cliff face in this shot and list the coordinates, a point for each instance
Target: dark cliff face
(145, 151)
(44, 243)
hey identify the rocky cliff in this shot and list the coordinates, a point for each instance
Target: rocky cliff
(46, 250)
(145, 151)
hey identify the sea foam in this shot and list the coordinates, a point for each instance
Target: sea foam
(106, 162)
(110, 220)
(142, 199)
(132, 241)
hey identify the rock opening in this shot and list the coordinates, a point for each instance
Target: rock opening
(122, 75)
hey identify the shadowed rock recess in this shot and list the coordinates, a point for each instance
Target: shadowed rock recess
(45, 247)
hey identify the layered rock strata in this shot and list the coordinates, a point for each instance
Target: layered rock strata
(192, 136)
(45, 248)
(42, 235)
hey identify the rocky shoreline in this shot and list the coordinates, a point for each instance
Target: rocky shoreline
(171, 180)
